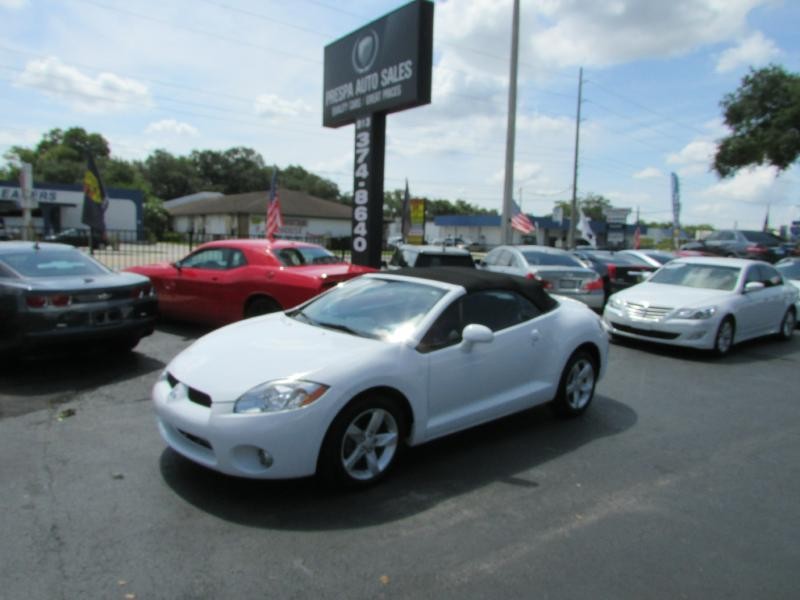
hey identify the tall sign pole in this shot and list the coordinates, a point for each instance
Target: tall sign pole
(26, 187)
(511, 128)
(676, 211)
(383, 67)
(574, 203)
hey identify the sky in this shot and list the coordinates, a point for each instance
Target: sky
(214, 74)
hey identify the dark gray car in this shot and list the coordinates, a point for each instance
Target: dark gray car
(54, 296)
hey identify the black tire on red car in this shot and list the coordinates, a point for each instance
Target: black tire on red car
(260, 306)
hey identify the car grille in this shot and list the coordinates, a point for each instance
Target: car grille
(195, 439)
(194, 395)
(647, 313)
(661, 335)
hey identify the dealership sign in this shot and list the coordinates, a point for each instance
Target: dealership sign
(381, 68)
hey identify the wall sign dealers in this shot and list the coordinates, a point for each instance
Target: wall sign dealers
(381, 68)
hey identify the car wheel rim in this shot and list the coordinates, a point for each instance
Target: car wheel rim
(580, 384)
(724, 337)
(369, 444)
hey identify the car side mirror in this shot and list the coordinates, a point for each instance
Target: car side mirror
(476, 334)
(753, 286)
(177, 265)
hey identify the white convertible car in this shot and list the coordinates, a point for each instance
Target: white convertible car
(339, 384)
(704, 302)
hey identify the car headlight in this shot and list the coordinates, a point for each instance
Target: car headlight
(695, 313)
(616, 302)
(278, 395)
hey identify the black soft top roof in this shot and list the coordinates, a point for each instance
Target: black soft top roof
(474, 280)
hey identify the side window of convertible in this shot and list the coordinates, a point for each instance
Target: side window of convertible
(445, 331)
(498, 309)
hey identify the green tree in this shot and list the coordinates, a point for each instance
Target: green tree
(764, 118)
(593, 205)
(170, 176)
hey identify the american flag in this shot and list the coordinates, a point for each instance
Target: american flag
(274, 217)
(520, 221)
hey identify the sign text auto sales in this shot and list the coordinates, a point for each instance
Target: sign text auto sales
(369, 90)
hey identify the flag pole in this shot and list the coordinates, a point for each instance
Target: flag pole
(505, 226)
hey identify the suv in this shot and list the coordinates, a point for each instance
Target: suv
(407, 255)
(757, 245)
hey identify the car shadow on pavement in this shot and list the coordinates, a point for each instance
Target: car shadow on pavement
(760, 349)
(183, 329)
(506, 451)
(58, 378)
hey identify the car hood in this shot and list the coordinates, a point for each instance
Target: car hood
(231, 360)
(673, 296)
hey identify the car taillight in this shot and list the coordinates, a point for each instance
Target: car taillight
(36, 301)
(594, 284)
(612, 271)
(60, 300)
(755, 249)
(545, 284)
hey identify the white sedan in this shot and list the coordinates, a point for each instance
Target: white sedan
(704, 302)
(341, 383)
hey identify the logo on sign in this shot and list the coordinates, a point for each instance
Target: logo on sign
(365, 51)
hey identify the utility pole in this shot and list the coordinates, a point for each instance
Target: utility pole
(574, 204)
(511, 128)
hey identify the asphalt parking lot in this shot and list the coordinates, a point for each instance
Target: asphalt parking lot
(681, 481)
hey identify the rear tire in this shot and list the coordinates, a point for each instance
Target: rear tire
(576, 388)
(260, 306)
(363, 442)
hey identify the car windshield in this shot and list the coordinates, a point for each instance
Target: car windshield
(375, 308)
(305, 255)
(712, 277)
(52, 263)
(790, 270)
(549, 259)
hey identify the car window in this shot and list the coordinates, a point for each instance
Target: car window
(713, 277)
(636, 259)
(761, 237)
(550, 259)
(444, 260)
(374, 308)
(769, 276)
(491, 258)
(53, 263)
(726, 236)
(496, 309)
(209, 258)
(504, 259)
(237, 259)
(661, 257)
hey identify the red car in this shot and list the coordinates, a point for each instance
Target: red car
(227, 280)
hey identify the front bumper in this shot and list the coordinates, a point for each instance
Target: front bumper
(689, 333)
(279, 445)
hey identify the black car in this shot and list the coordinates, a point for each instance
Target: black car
(53, 296)
(739, 243)
(617, 270)
(409, 255)
(78, 238)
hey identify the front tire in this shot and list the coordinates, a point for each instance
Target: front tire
(788, 324)
(576, 388)
(363, 442)
(723, 342)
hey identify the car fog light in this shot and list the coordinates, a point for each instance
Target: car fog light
(265, 458)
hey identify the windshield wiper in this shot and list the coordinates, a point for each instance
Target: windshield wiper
(338, 327)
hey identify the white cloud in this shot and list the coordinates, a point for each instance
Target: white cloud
(171, 126)
(695, 158)
(757, 184)
(754, 50)
(106, 92)
(648, 173)
(275, 107)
